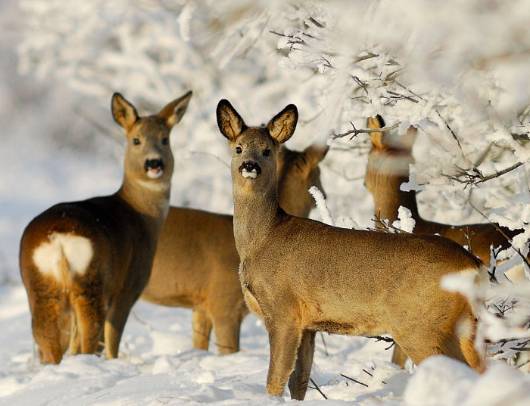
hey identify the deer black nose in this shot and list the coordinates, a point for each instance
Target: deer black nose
(153, 164)
(250, 166)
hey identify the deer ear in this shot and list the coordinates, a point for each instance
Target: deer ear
(315, 153)
(229, 121)
(172, 113)
(376, 137)
(283, 124)
(123, 111)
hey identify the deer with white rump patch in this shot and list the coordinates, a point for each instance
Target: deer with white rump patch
(303, 276)
(196, 261)
(84, 264)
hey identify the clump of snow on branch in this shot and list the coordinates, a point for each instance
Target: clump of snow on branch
(320, 201)
(405, 222)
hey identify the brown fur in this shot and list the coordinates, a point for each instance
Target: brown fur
(78, 305)
(196, 260)
(387, 169)
(302, 276)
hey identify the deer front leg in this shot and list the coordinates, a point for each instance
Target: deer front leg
(284, 341)
(201, 329)
(299, 379)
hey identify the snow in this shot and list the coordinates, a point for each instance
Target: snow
(59, 143)
(320, 202)
(405, 221)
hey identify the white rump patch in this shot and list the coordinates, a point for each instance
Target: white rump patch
(253, 174)
(77, 251)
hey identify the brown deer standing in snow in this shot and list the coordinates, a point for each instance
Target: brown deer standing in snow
(85, 263)
(196, 261)
(303, 276)
(387, 169)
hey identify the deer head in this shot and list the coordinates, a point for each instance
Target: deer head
(148, 156)
(388, 167)
(389, 157)
(255, 149)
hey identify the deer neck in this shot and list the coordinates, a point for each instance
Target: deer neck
(387, 200)
(150, 199)
(255, 215)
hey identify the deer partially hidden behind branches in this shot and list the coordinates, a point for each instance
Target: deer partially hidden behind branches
(387, 169)
(303, 276)
(196, 262)
(85, 263)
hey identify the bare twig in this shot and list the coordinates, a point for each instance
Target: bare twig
(474, 176)
(354, 380)
(384, 339)
(387, 227)
(494, 253)
(453, 134)
(318, 388)
(354, 132)
(372, 375)
(324, 343)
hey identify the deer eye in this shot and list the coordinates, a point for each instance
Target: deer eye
(165, 141)
(239, 150)
(136, 141)
(267, 152)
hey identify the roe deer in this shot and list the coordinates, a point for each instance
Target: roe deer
(388, 168)
(85, 263)
(196, 260)
(303, 276)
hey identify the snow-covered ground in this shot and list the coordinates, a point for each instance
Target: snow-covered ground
(157, 366)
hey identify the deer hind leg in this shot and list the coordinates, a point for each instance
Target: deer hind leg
(424, 344)
(398, 356)
(74, 345)
(201, 329)
(299, 378)
(90, 316)
(284, 339)
(227, 334)
(115, 322)
(45, 318)
(465, 331)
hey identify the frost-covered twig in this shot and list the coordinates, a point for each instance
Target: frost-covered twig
(354, 132)
(474, 176)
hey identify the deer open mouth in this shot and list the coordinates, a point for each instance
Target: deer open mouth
(250, 170)
(154, 168)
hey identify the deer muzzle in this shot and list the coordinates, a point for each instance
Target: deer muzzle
(250, 169)
(154, 168)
